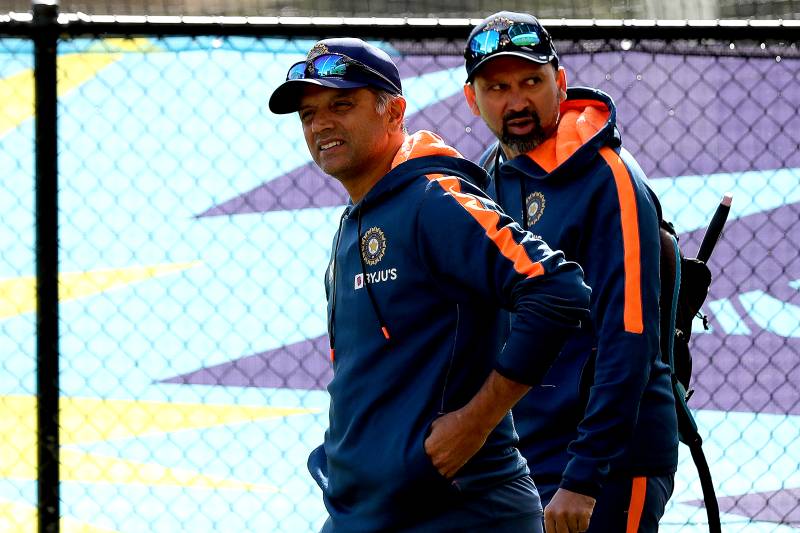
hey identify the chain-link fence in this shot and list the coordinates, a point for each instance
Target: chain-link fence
(570, 9)
(194, 232)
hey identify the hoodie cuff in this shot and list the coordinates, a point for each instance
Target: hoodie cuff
(584, 477)
(527, 358)
(586, 488)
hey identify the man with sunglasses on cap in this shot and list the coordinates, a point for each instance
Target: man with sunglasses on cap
(420, 436)
(600, 432)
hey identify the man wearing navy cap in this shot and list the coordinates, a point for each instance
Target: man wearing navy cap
(420, 436)
(600, 433)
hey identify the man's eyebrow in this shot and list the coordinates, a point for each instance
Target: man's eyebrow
(344, 92)
(302, 107)
(340, 93)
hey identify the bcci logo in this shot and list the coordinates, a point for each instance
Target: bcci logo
(316, 51)
(534, 206)
(499, 24)
(373, 246)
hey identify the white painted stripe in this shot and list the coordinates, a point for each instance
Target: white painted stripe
(727, 317)
(690, 201)
(781, 318)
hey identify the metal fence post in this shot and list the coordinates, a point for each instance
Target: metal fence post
(45, 15)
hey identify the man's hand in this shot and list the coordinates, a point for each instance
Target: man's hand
(568, 512)
(453, 441)
(457, 436)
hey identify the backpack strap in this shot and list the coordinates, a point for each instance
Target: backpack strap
(687, 426)
(673, 313)
(709, 496)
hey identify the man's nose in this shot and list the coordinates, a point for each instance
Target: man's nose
(517, 101)
(321, 122)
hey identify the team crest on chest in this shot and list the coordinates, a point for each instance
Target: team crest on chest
(534, 206)
(373, 246)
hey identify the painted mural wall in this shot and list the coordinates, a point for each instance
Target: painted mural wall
(195, 232)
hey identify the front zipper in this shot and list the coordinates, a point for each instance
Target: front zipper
(450, 362)
(331, 326)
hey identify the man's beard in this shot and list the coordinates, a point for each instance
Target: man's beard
(523, 143)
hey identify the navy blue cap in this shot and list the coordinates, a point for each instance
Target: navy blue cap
(534, 42)
(380, 72)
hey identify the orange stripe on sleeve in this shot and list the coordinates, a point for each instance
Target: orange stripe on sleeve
(630, 241)
(638, 492)
(488, 219)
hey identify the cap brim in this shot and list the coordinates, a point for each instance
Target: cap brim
(286, 98)
(541, 59)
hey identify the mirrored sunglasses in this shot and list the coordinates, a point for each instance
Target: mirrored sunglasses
(331, 66)
(517, 35)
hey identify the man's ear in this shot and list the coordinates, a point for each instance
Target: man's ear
(469, 94)
(396, 111)
(561, 81)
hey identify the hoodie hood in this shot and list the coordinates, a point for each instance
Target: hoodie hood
(587, 123)
(418, 145)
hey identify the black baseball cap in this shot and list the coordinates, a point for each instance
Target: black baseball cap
(508, 34)
(344, 63)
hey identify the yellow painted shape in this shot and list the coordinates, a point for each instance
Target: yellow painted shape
(76, 69)
(93, 468)
(136, 44)
(78, 284)
(18, 295)
(21, 518)
(86, 420)
(17, 438)
(16, 100)
(17, 95)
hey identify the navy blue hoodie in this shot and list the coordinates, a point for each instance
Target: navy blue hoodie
(420, 267)
(606, 404)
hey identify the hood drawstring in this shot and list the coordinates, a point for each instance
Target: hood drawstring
(371, 297)
(331, 326)
(522, 195)
(522, 189)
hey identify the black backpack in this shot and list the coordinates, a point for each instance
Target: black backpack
(684, 287)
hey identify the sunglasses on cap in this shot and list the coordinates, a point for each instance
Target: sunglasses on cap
(519, 34)
(332, 66)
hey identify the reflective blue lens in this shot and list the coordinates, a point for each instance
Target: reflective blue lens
(330, 65)
(485, 42)
(297, 71)
(523, 35)
(321, 67)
